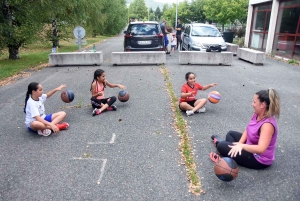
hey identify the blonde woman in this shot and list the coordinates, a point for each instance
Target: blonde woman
(255, 147)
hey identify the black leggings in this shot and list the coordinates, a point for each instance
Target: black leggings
(178, 37)
(96, 103)
(246, 159)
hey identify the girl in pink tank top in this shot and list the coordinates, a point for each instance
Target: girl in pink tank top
(98, 100)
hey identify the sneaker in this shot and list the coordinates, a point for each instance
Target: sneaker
(201, 110)
(167, 52)
(216, 139)
(63, 126)
(112, 108)
(45, 132)
(214, 157)
(189, 112)
(96, 112)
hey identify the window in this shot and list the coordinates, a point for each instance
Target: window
(144, 29)
(260, 26)
(287, 34)
(289, 20)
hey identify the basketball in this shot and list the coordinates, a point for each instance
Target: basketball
(67, 96)
(226, 169)
(123, 96)
(214, 97)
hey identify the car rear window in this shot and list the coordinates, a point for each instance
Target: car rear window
(143, 29)
(205, 31)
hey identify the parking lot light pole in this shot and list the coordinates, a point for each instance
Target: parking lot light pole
(176, 14)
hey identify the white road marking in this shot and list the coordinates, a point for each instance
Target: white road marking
(102, 171)
(104, 161)
(112, 141)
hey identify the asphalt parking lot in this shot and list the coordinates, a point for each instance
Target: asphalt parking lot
(132, 153)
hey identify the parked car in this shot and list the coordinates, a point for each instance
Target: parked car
(143, 36)
(202, 37)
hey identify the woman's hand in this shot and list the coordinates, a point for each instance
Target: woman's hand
(61, 87)
(235, 149)
(100, 93)
(121, 86)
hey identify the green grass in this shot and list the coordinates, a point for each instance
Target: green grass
(186, 148)
(293, 61)
(37, 54)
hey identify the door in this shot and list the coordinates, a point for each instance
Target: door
(186, 37)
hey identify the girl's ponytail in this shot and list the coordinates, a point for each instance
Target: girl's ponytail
(33, 86)
(274, 107)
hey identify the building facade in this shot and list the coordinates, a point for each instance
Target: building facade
(273, 26)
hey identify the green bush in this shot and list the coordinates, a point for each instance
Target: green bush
(241, 42)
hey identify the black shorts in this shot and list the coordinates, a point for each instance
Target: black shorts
(96, 103)
(191, 103)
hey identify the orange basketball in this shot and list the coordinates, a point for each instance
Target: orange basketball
(214, 97)
(67, 96)
(226, 169)
(123, 96)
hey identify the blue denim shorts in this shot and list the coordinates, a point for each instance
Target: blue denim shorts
(166, 40)
(48, 118)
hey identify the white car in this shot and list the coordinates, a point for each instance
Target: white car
(202, 37)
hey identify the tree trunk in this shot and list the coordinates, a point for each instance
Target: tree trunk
(55, 40)
(13, 52)
(222, 27)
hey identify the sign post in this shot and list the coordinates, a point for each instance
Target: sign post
(79, 33)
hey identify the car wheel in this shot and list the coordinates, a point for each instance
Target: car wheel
(208, 50)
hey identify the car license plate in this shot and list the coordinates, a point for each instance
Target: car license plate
(146, 42)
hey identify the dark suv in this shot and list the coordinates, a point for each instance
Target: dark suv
(143, 36)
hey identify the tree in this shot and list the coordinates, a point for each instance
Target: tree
(25, 21)
(18, 24)
(114, 19)
(196, 8)
(165, 7)
(62, 15)
(152, 17)
(138, 9)
(151, 10)
(158, 13)
(170, 14)
(184, 13)
(225, 11)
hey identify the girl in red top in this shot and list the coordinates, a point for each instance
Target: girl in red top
(98, 101)
(189, 90)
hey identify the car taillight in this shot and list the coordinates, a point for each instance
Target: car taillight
(160, 35)
(128, 36)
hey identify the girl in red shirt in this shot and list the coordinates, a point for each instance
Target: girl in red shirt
(189, 90)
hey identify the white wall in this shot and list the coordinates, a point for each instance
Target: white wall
(258, 1)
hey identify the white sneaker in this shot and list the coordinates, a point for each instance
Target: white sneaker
(202, 110)
(189, 112)
(45, 132)
(94, 112)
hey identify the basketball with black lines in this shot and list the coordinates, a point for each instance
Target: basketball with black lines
(123, 96)
(226, 169)
(67, 96)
